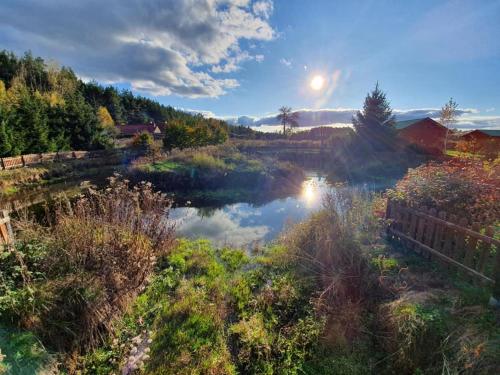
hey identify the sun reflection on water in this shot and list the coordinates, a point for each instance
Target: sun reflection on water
(309, 192)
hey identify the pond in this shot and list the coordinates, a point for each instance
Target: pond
(247, 225)
(234, 221)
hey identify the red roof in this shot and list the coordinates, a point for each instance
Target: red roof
(136, 128)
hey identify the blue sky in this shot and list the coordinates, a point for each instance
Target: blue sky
(244, 57)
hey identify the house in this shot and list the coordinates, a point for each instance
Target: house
(425, 133)
(131, 130)
(481, 136)
(483, 141)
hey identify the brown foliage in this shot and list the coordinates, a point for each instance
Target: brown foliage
(100, 253)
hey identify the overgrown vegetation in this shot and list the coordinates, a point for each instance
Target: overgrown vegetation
(463, 187)
(67, 282)
(217, 167)
(221, 311)
(106, 286)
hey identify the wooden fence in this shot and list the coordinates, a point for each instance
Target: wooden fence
(450, 240)
(31, 159)
(6, 234)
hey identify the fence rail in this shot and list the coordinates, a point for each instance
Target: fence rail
(32, 159)
(448, 239)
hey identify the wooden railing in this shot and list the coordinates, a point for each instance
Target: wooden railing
(32, 159)
(450, 240)
(6, 234)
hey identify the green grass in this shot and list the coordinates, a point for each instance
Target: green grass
(218, 311)
(161, 166)
(206, 161)
(23, 353)
(460, 154)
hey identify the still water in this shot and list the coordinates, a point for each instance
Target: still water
(245, 224)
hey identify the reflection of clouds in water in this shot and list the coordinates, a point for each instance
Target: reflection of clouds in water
(242, 224)
(222, 228)
(242, 210)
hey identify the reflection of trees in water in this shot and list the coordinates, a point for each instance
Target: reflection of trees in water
(209, 201)
(207, 212)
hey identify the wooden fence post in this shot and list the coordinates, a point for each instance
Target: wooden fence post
(495, 298)
(6, 233)
(420, 229)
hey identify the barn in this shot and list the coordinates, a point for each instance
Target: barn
(425, 133)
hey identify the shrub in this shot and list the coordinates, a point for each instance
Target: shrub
(68, 282)
(465, 188)
(328, 247)
(145, 143)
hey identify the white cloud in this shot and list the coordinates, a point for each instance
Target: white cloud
(490, 109)
(468, 118)
(159, 46)
(287, 63)
(263, 8)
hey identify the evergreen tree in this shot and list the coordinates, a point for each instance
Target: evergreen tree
(32, 124)
(374, 124)
(112, 102)
(9, 66)
(85, 131)
(5, 136)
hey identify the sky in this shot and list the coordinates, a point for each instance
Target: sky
(243, 59)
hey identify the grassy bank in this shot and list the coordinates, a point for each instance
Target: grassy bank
(217, 167)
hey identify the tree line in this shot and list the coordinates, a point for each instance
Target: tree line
(45, 108)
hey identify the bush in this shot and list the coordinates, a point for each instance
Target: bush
(68, 282)
(465, 188)
(145, 144)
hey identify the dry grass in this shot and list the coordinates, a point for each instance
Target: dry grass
(329, 250)
(98, 256)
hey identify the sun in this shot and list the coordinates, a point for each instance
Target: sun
(317, 82)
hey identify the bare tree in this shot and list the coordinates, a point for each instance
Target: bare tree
(287, 117)
(448, 117)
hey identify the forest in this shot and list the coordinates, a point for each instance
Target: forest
(45, 108)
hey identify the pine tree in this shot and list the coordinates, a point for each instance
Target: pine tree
(33, 124)
(375, 123)
(5, 136)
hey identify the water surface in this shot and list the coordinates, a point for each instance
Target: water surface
(246, 224)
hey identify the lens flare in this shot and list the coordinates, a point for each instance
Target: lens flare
(317, 82)
(309, 192)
